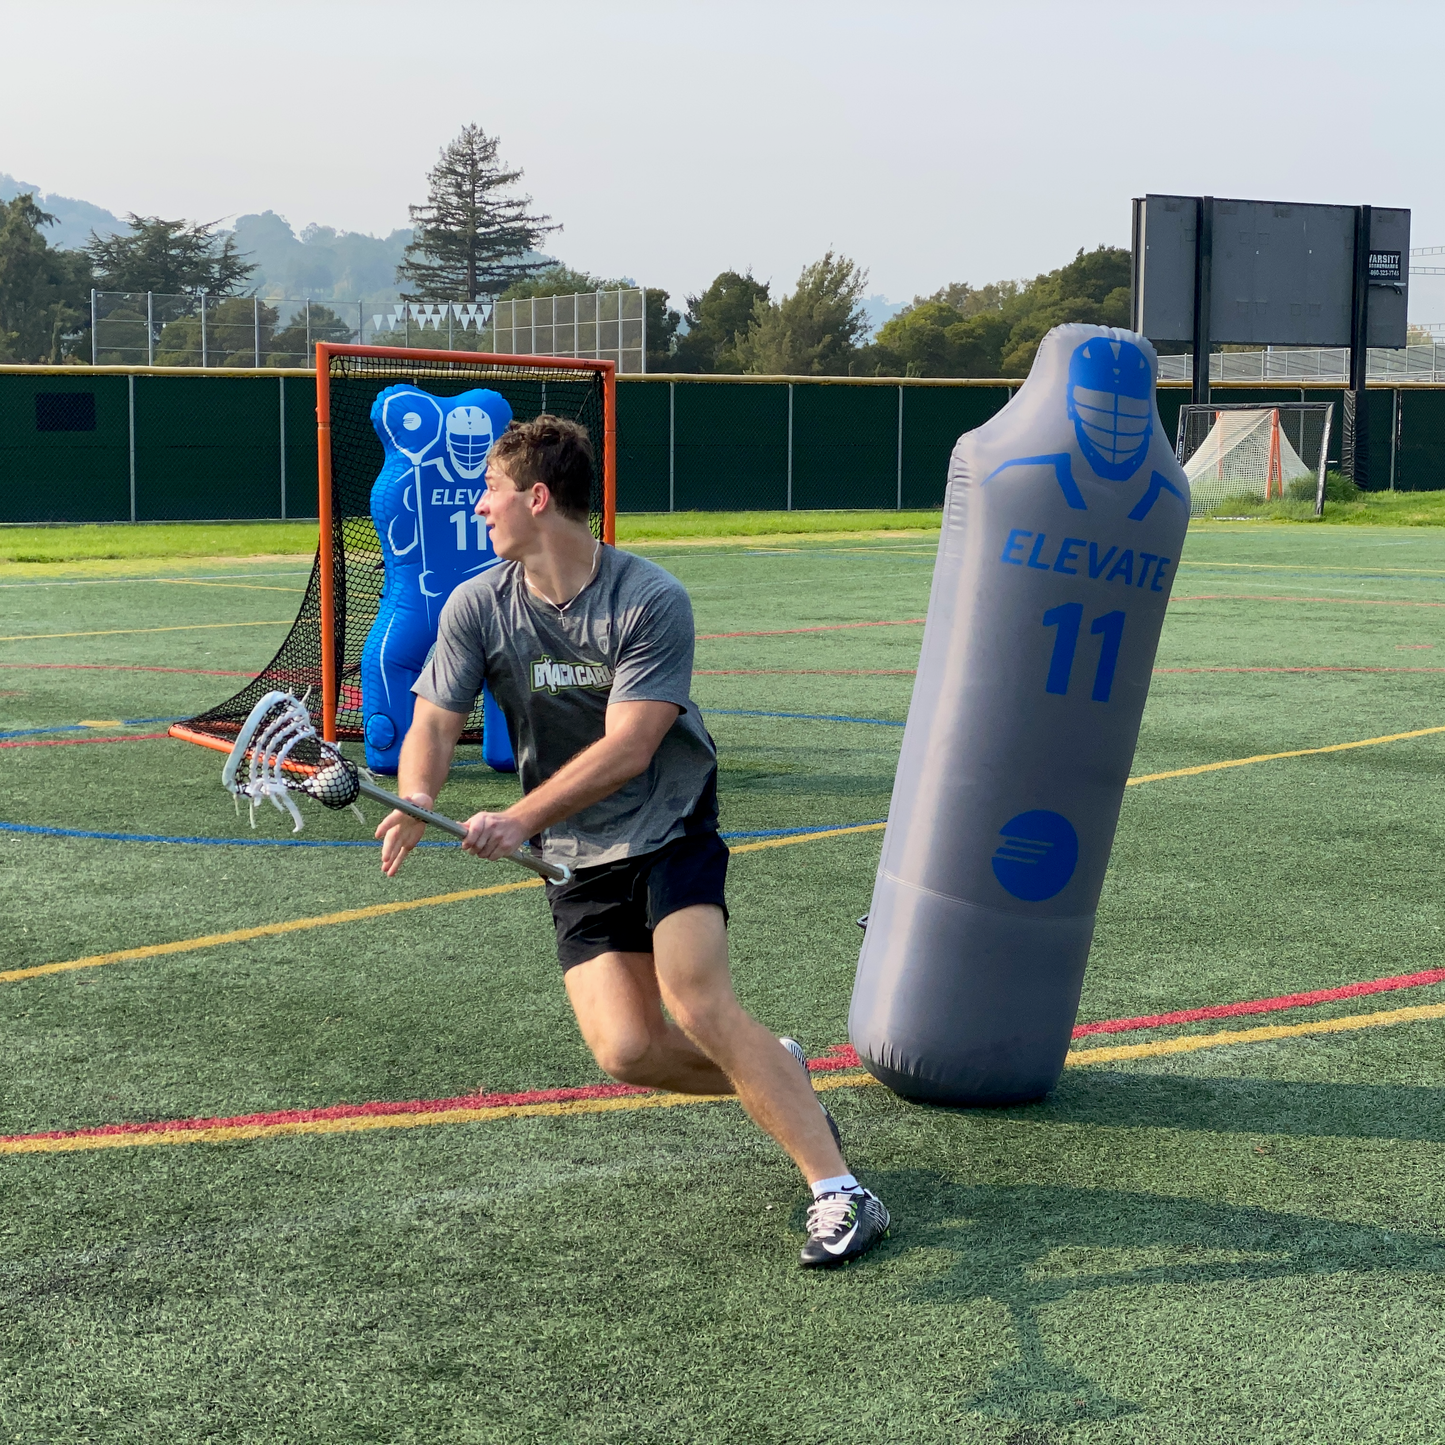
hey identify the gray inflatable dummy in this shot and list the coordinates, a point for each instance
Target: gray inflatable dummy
(1062, 528)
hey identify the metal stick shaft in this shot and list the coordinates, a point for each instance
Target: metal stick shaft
(554, 872)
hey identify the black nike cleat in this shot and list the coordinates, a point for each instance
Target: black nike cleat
(796, 1049)
(843, 1226)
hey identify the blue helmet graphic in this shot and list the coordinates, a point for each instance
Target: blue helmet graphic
(1111, 406)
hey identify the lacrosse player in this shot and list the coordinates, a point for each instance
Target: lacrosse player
(589, 653)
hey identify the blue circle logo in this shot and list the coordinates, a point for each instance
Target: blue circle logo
(1037, 856)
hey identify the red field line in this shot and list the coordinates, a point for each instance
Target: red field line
(127, 667)
(829, 627)
(82, 742)
(1341, 601)
(1298, 669)
(838, 1058)
(1264, 1005)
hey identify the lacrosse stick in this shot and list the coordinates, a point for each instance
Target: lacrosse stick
(283, 754)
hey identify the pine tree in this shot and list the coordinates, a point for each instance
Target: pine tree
(169, 257)
(472, 237)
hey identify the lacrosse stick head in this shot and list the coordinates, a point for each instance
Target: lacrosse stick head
(279, 752)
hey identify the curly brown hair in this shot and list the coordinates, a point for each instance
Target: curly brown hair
(554, 451)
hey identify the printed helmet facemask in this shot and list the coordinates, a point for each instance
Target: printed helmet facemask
(1111, 405)
(469, 438)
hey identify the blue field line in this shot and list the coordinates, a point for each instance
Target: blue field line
(127, 722)
(794, 832)
(877, 722)
(38, 831)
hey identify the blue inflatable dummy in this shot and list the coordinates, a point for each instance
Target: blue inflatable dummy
(1062, 528)
(424, 506)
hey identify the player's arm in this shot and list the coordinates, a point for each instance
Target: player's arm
(426, 758)
(634, 731)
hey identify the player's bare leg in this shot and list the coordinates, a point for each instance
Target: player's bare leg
(691, 959)
(714, 1047)
(619, 1011)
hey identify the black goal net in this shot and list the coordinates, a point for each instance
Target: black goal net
(355, 579)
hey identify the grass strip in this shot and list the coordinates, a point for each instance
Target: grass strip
(155, 539)
(127, 541)
(673, 526)
(1371, 509)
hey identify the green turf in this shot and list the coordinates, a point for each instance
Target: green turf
(1245, 1244)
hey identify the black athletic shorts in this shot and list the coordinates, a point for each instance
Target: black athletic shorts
(614, 907)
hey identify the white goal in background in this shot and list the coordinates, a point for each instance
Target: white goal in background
(1256, 450)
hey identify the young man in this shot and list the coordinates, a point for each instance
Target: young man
(589, 653)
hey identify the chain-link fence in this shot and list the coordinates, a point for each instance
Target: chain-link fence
(601, 325)
(151, 328)
(1325, 364)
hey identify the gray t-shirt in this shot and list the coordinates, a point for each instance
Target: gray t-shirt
(626, 637)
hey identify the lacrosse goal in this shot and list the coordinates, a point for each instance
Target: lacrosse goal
(320, 658)
(1259, 451)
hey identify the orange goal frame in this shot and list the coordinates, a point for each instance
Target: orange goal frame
(325, 350)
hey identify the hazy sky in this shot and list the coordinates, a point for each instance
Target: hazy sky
(931, 142)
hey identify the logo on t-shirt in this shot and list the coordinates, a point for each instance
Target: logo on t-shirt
(549, 676)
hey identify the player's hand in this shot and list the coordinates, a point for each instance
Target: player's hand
(400, 833)
(494, 835)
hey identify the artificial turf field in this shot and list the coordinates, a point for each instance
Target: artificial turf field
(1243, 1241)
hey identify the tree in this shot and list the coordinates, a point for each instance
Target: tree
(813, 332)
(170, 257)
(714, 321)
(44, 293)
(995, 330)
(1093, 287)
(472, 238)
(557, 280)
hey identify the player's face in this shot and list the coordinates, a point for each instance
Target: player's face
(509, 513)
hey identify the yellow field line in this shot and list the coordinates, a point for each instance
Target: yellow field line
(355, 915)
(1274, 757)
(628, 1103)
(265, 930)
(1190, 1043)
(132, 631)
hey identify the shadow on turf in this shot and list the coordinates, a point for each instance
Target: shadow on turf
(1244, 1106)
(1027, 1247)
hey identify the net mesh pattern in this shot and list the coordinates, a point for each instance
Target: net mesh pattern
(1251, 452)
(357, 569)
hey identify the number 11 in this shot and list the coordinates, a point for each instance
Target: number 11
(1067, 618)
(459, 521)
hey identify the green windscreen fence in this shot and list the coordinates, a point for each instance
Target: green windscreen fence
(147, 446)
(83, 445)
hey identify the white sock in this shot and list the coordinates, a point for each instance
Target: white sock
(838, 1184)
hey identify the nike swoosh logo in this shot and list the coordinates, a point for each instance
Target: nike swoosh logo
(843, 1243)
